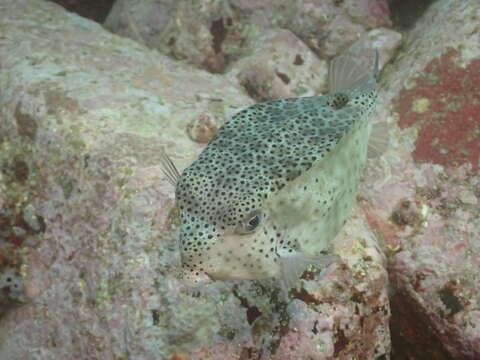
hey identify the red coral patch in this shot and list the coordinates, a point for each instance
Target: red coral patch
(448, 116)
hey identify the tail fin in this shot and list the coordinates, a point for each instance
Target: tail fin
(349, 70)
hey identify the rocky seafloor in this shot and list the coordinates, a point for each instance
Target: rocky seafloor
(88, 257)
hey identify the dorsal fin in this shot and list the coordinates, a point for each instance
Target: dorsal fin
(349, 70)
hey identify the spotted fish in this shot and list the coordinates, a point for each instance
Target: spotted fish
(276, 183)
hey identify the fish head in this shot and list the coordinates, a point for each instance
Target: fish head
(224, 235)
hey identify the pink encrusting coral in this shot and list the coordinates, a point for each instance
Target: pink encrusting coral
(444, 103)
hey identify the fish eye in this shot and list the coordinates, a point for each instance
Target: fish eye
(251, 222)
(254, 221)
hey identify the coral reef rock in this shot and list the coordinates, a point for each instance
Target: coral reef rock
(91, 222)
(423, 196)
(212, 34)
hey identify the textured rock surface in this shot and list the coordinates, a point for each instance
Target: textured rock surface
(270, 72)
(247, 39)
(424, 200)
(87, 221)
(83, 116)
(212, 34)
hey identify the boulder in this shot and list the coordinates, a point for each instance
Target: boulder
(422, 197)
(213, 34)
